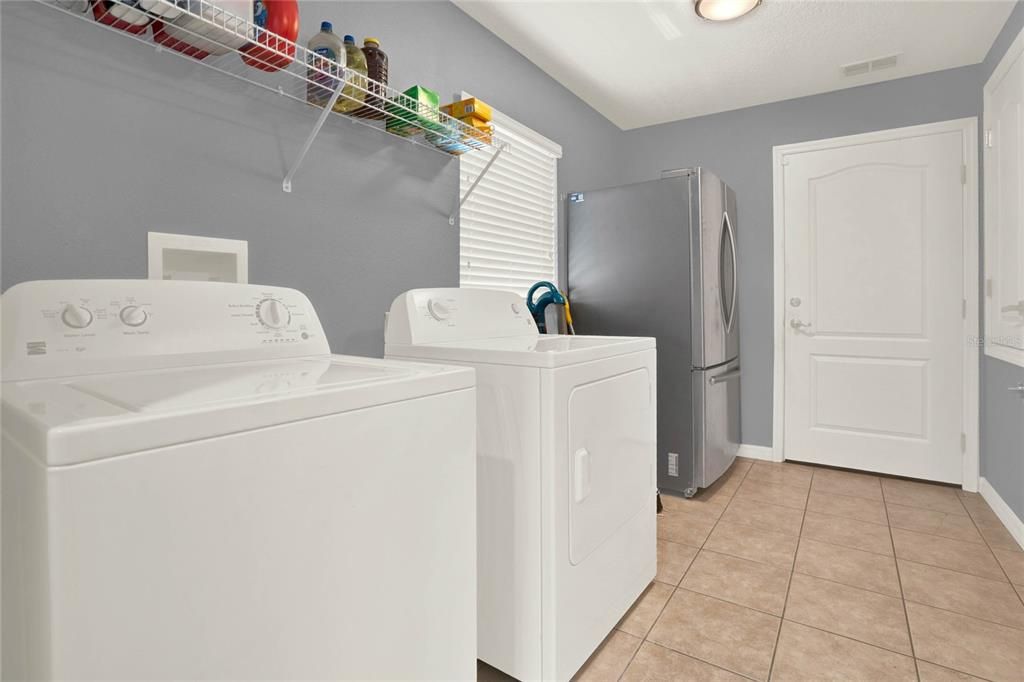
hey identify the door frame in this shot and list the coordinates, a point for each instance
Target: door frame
(971, 285)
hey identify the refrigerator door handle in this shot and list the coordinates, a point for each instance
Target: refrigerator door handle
(728, 313)
(725, 376)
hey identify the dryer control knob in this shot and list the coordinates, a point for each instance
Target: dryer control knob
(133, 316)
(76, 317)
(438, 310)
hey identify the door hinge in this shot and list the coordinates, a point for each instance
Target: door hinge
(963, 308)
(989, 139)
(988, 287)
(963, 442)
(963, 174)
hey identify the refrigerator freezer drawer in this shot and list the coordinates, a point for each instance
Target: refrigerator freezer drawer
(716, 421)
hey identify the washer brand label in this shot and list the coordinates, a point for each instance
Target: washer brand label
(36, 347)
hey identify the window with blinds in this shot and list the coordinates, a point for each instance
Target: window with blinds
(508, 236)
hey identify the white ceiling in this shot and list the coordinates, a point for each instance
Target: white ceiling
(643, 62)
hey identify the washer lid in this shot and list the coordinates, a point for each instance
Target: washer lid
(525, 351)
(87, 418)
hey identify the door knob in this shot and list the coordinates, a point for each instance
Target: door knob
(1018, 308)
(798, 325)
(1018, 389)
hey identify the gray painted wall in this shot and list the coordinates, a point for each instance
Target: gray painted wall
(737, 145)
(1002, 414)
(105, 140)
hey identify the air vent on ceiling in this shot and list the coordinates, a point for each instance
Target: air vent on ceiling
(871, 65)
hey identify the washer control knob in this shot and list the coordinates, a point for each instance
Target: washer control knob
(273, 314)
(517, 308)
(133, 315)
(76, 317)
(438, 310)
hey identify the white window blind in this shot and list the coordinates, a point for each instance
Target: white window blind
(508, 236)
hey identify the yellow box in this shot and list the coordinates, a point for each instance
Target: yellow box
(469, 108)
(482, 131)
(478, 124)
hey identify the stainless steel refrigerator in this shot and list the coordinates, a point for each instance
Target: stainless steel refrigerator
(658, 259)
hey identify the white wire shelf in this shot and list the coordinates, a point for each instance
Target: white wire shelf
(205, 33)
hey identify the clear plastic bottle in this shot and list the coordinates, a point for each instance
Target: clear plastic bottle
(354, 93)
(327, 56)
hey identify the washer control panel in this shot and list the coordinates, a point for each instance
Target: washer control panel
(74, 327)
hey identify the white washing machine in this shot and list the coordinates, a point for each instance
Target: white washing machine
(566, 503)
(194, 488)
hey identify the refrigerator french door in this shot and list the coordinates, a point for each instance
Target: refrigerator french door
(658, 259)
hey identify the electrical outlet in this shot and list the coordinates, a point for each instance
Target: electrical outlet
(673, 464)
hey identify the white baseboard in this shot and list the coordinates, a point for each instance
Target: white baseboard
(756, 452)
(1002, 510)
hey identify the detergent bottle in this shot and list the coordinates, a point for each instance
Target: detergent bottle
(324, 68)
(277, 28)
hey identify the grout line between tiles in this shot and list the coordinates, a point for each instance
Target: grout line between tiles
(694, 658)
(968, 545)
(789, 584)
(995, 556)
(852, 639)
(681, 579)
(899, 581)
(954, 670)
(847, 517)
(761, 529)
(964, 615)
(836, 544)
(953, 570)
(936, 535)
(729, 601)
(840, 582)
(697, 658)
(751, 482)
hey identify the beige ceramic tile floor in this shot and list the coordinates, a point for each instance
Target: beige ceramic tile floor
(792, 572)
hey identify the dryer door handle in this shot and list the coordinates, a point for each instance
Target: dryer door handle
(581, 474)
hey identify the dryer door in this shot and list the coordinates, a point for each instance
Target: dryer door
(610, 451)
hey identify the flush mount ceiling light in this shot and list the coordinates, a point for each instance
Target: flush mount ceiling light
(723, 10)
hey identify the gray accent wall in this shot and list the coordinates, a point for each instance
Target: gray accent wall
(737, 145)
(1002, 413)
(105, 140)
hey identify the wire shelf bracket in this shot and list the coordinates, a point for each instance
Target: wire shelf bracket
(286, 184)
(458, 207)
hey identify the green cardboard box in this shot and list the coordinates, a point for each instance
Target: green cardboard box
(423, 103)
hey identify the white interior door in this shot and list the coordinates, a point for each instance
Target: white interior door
(874, 304)
(1004, 235)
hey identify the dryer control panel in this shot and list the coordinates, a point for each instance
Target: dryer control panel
(74, 327)
(440, 315)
